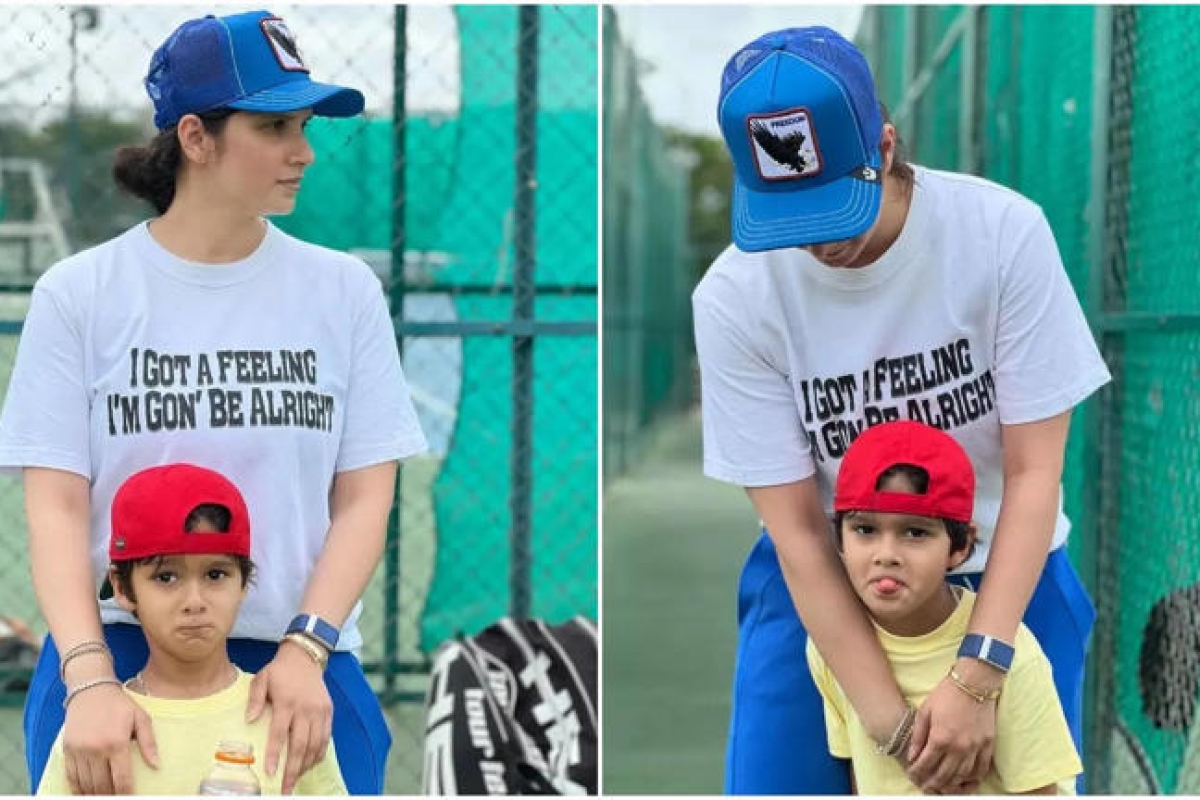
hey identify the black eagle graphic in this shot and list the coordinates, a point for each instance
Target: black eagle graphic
(784, 151)
(283, 37)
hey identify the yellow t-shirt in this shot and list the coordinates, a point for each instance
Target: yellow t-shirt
(1033, 743)
(187, 733)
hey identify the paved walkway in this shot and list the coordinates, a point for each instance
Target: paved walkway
(674, 542)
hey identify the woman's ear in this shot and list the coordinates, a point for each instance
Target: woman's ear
(123, 600)
(887, 146)
(957, 557)
(197, 144)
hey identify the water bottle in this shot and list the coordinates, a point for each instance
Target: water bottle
(232, 771)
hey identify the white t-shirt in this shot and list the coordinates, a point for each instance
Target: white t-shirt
(966, 322)
(279, 371)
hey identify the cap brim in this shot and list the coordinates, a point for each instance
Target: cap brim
(324, 99)
(838, 210)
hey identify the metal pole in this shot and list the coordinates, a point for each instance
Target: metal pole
(1107, 220)
(524, 293)
(73, 128)
(391, 555)
(969, 113)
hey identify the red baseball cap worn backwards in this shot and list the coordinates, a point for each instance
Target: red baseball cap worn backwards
(150, 510)
(951, 491)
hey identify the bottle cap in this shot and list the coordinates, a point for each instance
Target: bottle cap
(233, 752)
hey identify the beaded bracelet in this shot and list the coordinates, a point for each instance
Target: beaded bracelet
(83, 687)
(314, 650)
(980, 695)
(81, 649)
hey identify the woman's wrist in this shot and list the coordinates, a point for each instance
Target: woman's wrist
(87, 667)
(314, 651)
(880, 726)
(979, 674)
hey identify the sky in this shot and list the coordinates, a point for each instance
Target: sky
(351, 44)
(685, 48)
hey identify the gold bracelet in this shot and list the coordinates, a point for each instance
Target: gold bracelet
(979, 695)
(314, 650)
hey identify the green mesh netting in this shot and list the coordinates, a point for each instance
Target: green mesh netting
(1158, 652)
(472, 493)
(647, 271)
(460, 173)
(1034, 117)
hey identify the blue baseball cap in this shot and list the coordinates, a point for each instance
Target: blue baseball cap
(800, 118)
(248, 62)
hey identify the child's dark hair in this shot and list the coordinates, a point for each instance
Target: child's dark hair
(217, 516)
(918, 480)
(150, 171)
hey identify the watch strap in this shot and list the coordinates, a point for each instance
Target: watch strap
(987, 648)
(316, 629)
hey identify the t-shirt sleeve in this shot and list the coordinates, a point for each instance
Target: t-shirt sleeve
(47, 407)
(54, 776)
(1033, 743)
(1046, 358)
(325, 777)
(833, 702)
(380, 422)
(751, 425)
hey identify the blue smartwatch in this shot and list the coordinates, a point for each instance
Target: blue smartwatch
(995, 652)
(315, 628)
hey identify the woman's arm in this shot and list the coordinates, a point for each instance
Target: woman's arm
(302, 712)
(831, 612)
(99, 721)
(1033, 463)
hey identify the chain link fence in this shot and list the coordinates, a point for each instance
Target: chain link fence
(647, 280)
(469, 185)
(1089, 110)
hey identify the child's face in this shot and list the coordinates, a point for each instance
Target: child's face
(897, 564)
(186, 603)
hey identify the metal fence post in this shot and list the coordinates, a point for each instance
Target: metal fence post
(524, 295)
(391, 564)
(1108, 221)
(907, 114)
(970, 115)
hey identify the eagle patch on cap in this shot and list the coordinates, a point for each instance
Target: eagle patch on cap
(283, 43)
(784, 145)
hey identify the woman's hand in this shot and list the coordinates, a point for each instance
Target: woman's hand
(99, 724)
(301, 711)
(954, 736)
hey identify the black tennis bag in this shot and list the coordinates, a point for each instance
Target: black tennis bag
(512, 710)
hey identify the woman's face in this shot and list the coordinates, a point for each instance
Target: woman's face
(871, 243)
(845, 252)
(259, 160)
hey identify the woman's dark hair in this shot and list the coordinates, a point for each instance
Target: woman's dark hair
(901, 169)
(150, 171)
(216, 516)
(918, 481)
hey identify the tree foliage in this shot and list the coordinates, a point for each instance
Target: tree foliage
(709, 195)
(77, 155)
